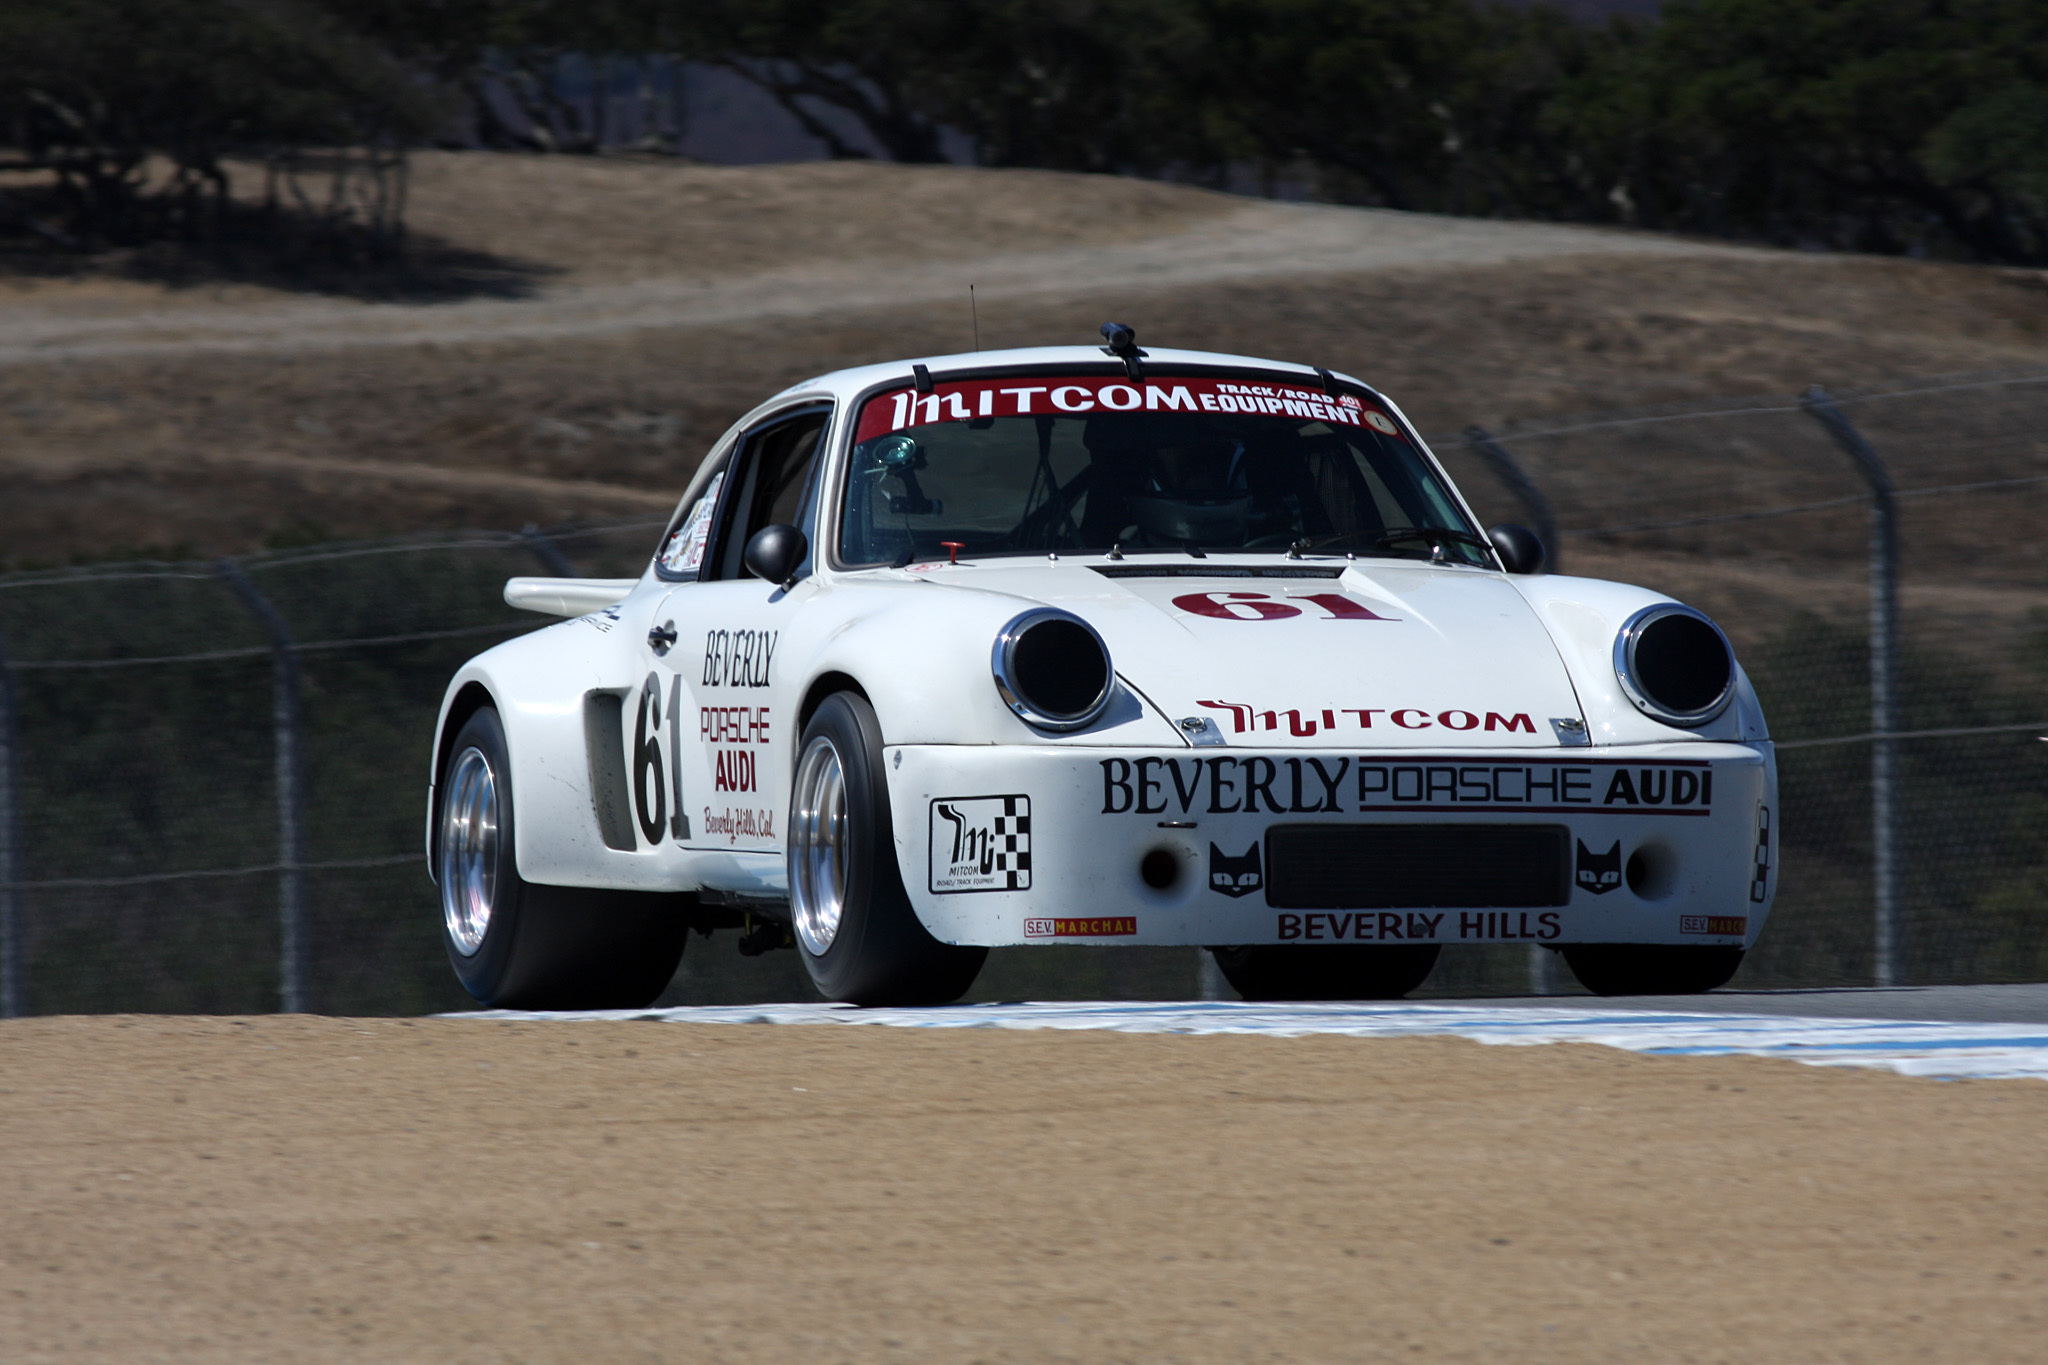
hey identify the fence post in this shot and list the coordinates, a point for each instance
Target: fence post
(1884, 675)
(547, 552)
(285, 718)
(1510, 473)
(13, 966)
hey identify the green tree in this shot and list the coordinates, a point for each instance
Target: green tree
(1887, 125)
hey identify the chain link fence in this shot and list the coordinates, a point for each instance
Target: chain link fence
(145, 863)
(1756, 512)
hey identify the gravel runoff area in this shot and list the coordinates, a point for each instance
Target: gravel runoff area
(456, 1189)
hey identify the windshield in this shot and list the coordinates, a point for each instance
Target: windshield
(1036, 465)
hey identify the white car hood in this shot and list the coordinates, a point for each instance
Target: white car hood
(1387, 654)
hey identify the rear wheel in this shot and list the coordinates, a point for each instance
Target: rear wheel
(1650, 968)
(1274, 972)
(855, 930)
(518, 945)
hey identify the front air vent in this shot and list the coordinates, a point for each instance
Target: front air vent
(1215, 571)
(604, 745)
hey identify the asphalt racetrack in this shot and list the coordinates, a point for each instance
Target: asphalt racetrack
(1928, 1031)
(1089, 1183)
(2016, 1004)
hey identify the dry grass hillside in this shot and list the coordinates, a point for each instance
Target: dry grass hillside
(603, 319)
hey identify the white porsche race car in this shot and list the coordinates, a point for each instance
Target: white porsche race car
(1100, 646)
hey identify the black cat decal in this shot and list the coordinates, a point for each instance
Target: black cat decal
(1599, 873)
(1237, 876)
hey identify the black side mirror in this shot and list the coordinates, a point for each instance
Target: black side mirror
(1519, 549)
(774, 553)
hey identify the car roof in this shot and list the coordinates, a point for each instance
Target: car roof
(850, 383)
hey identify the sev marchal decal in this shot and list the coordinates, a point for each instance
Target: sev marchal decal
(1107, 926)
(980, 843)
(1719, 925)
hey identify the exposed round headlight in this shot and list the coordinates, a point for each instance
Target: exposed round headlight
(1675, 664)
(1052, 669)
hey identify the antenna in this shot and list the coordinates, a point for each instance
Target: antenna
(975, 313)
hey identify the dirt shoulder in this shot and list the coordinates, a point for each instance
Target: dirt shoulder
(865, 273)
(311, 1189)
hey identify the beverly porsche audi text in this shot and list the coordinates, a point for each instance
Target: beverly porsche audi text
(1091, 645)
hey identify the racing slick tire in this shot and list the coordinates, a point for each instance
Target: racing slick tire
(518, 945)
(1274, 972)
(852, 920)
(1650, 968)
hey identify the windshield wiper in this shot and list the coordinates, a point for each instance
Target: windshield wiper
(1381, 539)
(1431, 533)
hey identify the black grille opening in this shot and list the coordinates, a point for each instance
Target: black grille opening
(1387, 867)
(1058, 668)
(1682, 664)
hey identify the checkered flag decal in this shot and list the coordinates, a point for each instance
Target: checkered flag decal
(1012, 842)
(1760, 878)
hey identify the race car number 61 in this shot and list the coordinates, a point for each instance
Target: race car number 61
(1259, 606)
(650, 784)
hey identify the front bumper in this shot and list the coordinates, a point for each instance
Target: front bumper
(1668, 843)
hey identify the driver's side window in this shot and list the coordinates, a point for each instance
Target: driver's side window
(769, 480)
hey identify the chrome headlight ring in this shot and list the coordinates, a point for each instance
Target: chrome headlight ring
(1629, 670)
(1019, 675)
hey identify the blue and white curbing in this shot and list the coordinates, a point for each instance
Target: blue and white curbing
(1948, 1050)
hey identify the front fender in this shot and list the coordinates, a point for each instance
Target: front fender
(1583, 616)
(922, 652)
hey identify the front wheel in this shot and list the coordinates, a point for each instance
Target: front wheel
(1274, 972)
(518, 945)
(1650, 968)
(855, 930)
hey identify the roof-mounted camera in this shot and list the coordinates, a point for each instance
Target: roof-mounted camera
(1123, 344)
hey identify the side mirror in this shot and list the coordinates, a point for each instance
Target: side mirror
(775, 553)
(1519, 549)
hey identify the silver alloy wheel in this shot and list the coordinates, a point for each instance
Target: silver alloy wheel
(817, 846)
(469, 851)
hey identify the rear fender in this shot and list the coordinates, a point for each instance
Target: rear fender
(558, 692)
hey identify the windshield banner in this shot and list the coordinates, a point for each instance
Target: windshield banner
(1040, 395)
